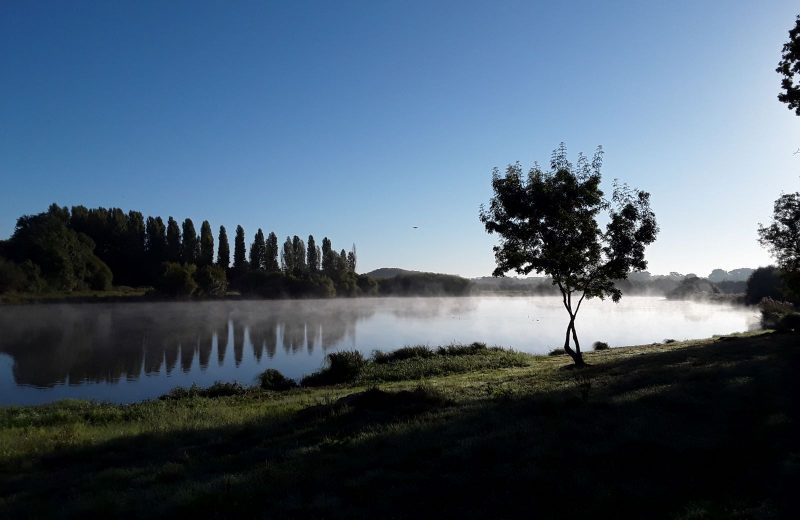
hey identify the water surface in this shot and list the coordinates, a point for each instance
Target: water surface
(125, 352)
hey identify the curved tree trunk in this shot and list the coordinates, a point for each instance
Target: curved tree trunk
(575, 354)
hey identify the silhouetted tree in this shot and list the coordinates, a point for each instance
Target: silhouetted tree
(190, 247)
(63, 258)
(287, 257)
(782, 238)
(328, 257)
(258, 251)
(206, 244)
(351, 259)
(789, 69)
(155, 246)
(765, 282)
(313, 259)
(173, 241)
(239, 255)
(272, 253)
(299, 256)
(547, 222)
(223, 249)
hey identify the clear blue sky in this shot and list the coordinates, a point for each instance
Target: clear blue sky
(359, 120)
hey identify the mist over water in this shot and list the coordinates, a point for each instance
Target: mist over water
(127, 352)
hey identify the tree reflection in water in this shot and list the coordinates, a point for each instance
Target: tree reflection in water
(54, 344)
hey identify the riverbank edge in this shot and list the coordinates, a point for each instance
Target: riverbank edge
(182, 442)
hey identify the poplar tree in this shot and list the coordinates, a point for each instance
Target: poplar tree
(190, 247)
(287, 256)
(155, 240)
(328, 257)
(258, 251)
(313, 259)
(173, 241)
(351, 259)
(239, 255)
(206, 244)
(272, 253)
(223, 249)
(299, 255)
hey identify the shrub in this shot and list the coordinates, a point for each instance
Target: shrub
(600, 345)
(669, 340)
(342, 367)
(773, 311)
(419, 351)
(177, 279)
(211, 280)
(98, 275)
(557, 352)
(462, 350)
(271, 379)
(789, 322)
(218, 389)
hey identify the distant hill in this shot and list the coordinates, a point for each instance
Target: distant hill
(389, 272)
(393, 281)
(737, 275)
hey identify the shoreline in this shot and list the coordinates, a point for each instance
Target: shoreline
(704, 425)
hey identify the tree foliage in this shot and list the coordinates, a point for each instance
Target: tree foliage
(223, 249)
(239, 254)
(765, 282)
(782, 238)
(65, 259)
(190, 246)
(258, 252)
(782, 235)
(547, 221)
(66, 250)
(173, 240)
(206, 244)
(313, 260)
(272, 253)
(211, 280)
(789, 69)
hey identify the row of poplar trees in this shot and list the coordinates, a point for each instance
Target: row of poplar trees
(135, 248)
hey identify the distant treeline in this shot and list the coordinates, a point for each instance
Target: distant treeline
(65, 250)
(673, 285)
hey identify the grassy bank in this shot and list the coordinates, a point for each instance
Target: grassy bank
(701, 429)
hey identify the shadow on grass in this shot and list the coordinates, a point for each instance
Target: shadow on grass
(698, 432)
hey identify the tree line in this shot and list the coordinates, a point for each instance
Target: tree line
(68, 249)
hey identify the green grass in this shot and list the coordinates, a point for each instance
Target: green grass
(704, 429)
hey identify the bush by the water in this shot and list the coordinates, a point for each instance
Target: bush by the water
(773, 312)
(341, 367)
(463, 350)
(419, 351)
(600, 345)
(412, 363)
(271, 379)
(218, 389)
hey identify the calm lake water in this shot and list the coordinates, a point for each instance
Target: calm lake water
(127, 352)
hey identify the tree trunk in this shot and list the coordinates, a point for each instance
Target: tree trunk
(576, 355)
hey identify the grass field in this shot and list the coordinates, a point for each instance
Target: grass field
(705, 429)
